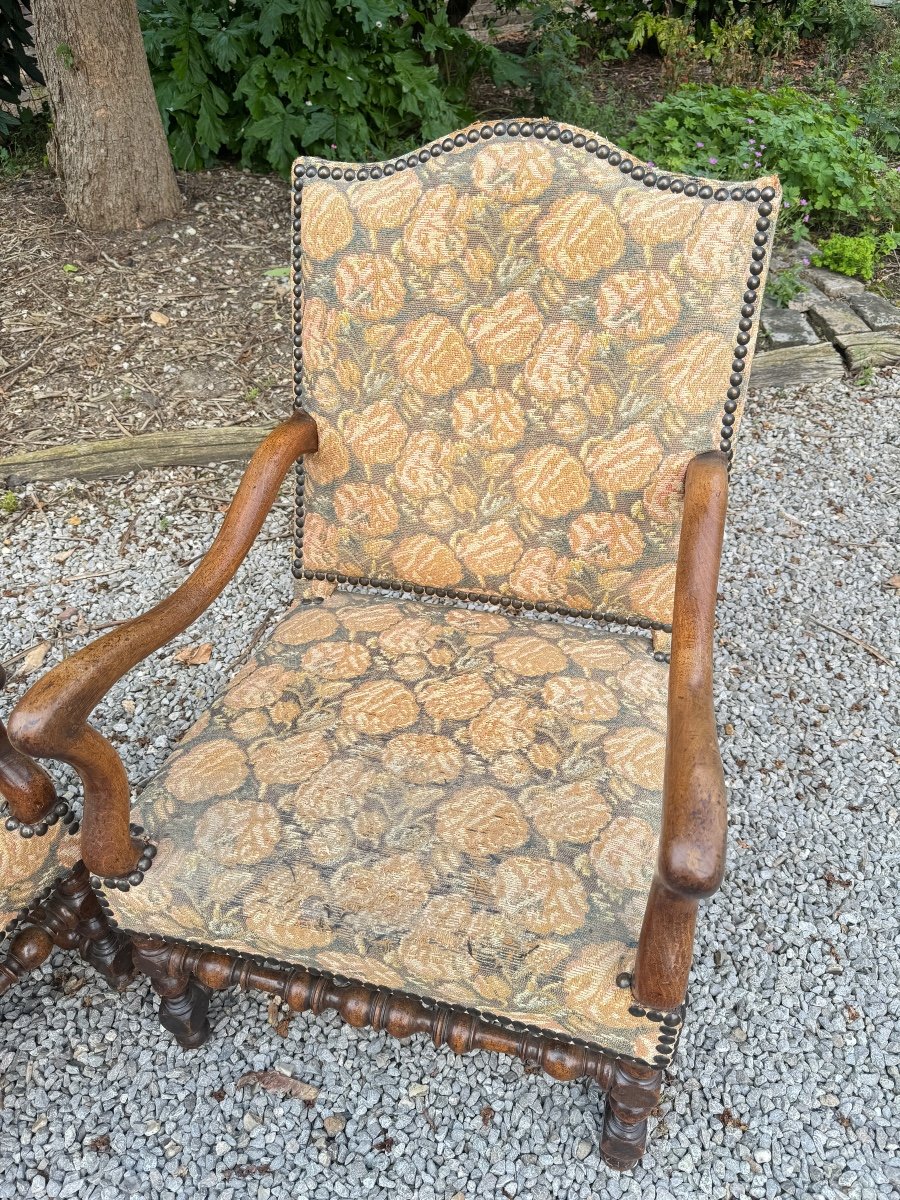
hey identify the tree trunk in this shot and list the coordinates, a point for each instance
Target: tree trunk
(108, 146)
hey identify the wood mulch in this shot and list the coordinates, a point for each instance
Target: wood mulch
(164, 328)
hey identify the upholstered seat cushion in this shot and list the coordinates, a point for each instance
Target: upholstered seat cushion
(459, 804)
(29, 865)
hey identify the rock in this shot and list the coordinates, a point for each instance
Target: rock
(793, 254)
(877, 312)
(786, 327)
(835, 286)
(870, 349)
(793, 366)
(833, 319)
(335, 1124)
(806, 299)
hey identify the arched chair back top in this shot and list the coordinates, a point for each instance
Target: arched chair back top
(513, 341)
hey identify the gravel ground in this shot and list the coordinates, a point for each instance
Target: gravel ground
(786, 1084)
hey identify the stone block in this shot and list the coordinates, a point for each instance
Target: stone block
(786, 327)
(835, 286)
(870, 349)
(877, 312)
(793, 254)
(833, 319)
(804, 300)
(793, 366)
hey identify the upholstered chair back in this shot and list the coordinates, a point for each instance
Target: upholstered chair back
(512, 342)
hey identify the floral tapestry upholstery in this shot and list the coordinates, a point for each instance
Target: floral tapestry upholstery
(463, 805)
(29, 865)
(512, 348)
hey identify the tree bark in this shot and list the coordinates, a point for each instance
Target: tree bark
(108, 146)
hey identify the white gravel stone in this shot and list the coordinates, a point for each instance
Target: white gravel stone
(796, 955)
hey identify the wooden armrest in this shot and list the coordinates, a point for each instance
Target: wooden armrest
(50, 721)
(692, 841)
(692, 844)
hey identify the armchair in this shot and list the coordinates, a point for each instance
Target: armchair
(471, 786)
(45, 897)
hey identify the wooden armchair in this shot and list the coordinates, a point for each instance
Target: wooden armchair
(45, 896)
(464, 789)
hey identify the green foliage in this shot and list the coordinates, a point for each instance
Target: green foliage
(263, 80)
(878, 97)
(24, 142)
(829, 173)
(15, 58)
(9, 503)
(723, 32)
(726, 46)
(784, 286)
(858, 256)
(559, 85)
(843, 22)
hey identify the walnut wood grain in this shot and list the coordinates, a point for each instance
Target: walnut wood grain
(50, 721)
(71, 918)
(633, 1094)
(183, 976)
(692, 841)
(25, 785)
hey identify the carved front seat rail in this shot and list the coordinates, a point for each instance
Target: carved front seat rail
(470, 786)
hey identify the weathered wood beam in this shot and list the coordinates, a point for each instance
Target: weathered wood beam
(145, 451)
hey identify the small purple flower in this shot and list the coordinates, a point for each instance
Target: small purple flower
(749, 120)
(804, 202)
(806, 262)
(745, 165)
(700, 146)
(806, 218)
(713, 160)
(752, 142)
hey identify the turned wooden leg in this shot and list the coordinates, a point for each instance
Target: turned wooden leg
(27, 950)
(72, 919)
(107, 950)
(183, 1002)
(633, 1094)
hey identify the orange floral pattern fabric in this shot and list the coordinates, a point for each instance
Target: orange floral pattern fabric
(28, 865)
(512, 351)
(459, 804)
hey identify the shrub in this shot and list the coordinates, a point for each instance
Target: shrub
(856, 255)
(878, 97)
(559, 85)
(829, 173)
(783, 286)
(261, 80)
(15, 58)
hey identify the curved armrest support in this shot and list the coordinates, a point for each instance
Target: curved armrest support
(50, 721)
(692, 841)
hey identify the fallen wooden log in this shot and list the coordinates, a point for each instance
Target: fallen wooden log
(145, 451)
